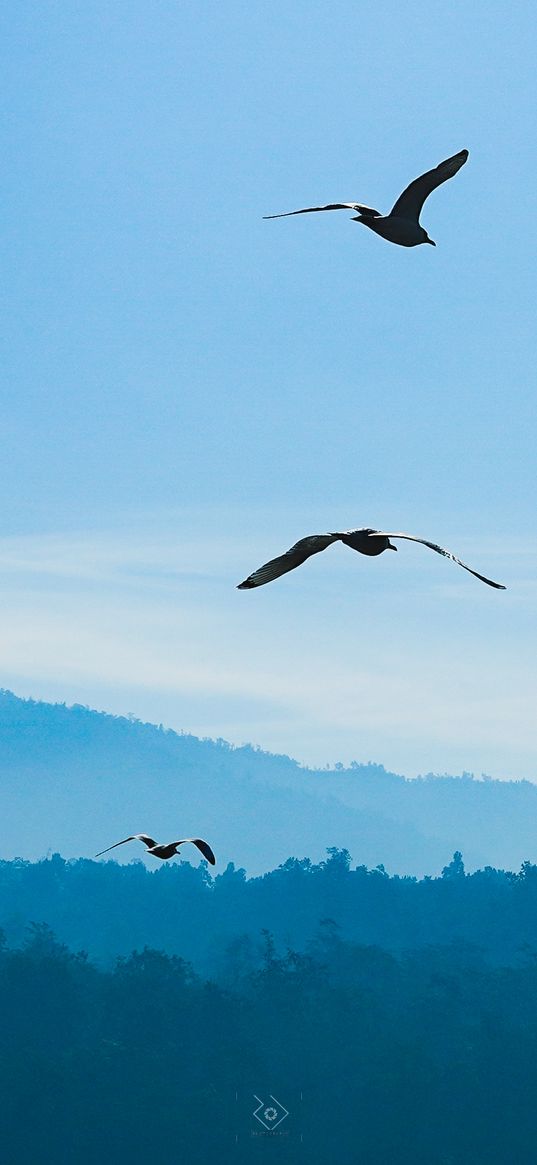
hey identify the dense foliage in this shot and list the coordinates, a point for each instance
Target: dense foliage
(394, 1017)
(109, 909)
(426, 1057)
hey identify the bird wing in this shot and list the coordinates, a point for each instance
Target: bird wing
(135, 837)
(446, 554)
(331, 206)
(410, 202)
(293, 557)
(203, 847)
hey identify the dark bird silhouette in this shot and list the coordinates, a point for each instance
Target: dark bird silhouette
(164, 851)
(365, 541)
(401, 225)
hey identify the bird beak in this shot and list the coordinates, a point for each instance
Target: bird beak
(433, 244)
(390, 547)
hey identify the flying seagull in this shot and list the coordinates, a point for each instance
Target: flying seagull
(164, 851)
(402, 224)
(365, 541)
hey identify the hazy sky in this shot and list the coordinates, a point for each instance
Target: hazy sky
(189, 389)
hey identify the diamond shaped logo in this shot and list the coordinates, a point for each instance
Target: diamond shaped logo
(270, 1114)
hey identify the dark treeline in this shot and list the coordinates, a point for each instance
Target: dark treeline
(109, 909)
(427, 1057)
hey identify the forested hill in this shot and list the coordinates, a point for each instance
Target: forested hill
(218, 922)
(74, 780)
(347, 1052)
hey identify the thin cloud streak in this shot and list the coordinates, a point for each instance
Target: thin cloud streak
(342, 665)
(202, 549)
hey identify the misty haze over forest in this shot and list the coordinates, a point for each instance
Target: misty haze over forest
(366, 1008)
(75, 780)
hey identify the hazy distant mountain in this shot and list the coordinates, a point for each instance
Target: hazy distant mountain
(74, 780)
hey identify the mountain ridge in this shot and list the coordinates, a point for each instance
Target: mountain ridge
(74, 779)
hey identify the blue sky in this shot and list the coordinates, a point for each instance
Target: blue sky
(189, 389)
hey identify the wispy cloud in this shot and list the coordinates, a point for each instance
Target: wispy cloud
(347, 660)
